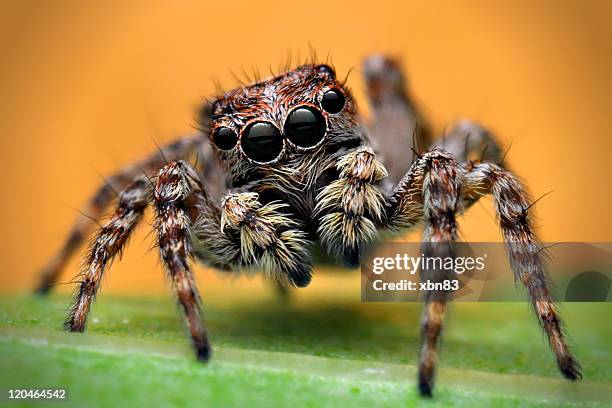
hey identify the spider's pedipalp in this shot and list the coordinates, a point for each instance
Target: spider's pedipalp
(107, 244)
(269, 238)
(350, 208)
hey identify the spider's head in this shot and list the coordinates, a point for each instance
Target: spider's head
(282, 119)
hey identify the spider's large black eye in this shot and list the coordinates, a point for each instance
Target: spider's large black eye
(262, 142)
(225, 138)
(305, 126)
(333, 101)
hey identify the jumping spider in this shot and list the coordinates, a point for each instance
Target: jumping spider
(292, 166)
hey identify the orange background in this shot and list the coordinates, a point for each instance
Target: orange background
(87, 88)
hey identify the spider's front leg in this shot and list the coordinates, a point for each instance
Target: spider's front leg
(103, 198)
(242, 232)
(433, 190)
(430, 191)
(177, 195)
(178, 200)
(350, 208)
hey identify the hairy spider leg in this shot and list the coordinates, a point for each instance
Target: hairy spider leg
(100, 201)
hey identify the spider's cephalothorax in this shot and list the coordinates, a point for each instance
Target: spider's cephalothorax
(285, 164)
(280, 136)
(285, 139)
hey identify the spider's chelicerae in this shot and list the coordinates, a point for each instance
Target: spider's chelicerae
(290, 165)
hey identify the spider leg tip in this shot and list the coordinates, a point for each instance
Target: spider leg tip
(203, 353)
(42, 290)
(425, 389)
(571, 370)
(72, 327)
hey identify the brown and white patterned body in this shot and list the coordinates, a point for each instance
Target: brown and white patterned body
(289, 165)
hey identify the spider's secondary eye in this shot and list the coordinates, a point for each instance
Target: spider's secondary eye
(305, 126)
(225, 138)
(326, 69)
(262, 142)
(333, 101)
